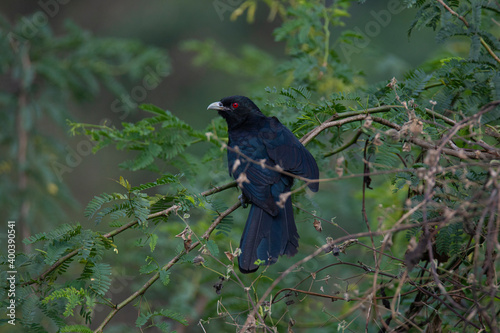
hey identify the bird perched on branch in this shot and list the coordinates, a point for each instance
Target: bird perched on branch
(264, 156)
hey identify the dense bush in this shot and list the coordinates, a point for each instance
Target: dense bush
(417, 252)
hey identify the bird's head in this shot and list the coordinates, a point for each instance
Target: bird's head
(235, 109)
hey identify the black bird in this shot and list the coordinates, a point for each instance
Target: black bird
(270, 229)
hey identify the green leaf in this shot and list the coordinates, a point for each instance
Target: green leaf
(165, 179)
(416, 81)
(165, 277)
(140, 207)
(35, 238)
(73, 296)
(213, 248)
(144, 317)
(98, 201)
(123, 182)
(75, 328)
(101, 278)
(55, 251)
(173, 315)
(149, 267)
(154, 109)
(153, 239)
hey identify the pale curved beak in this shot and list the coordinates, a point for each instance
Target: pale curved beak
(216, 106)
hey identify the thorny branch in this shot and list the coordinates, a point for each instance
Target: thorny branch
(425, 291)
(119, 230)
(166, 267)
(461, 18)
(438, 291)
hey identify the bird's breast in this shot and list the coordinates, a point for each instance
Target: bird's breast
(250, 146)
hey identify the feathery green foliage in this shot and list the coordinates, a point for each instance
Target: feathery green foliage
(421, 151)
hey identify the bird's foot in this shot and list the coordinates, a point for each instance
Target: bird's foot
(244, 201)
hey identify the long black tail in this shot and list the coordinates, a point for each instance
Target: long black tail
(266, 237)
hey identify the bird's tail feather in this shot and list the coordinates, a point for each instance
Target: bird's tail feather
(266, 237)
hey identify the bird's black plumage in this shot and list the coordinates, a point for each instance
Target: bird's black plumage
(270, 229)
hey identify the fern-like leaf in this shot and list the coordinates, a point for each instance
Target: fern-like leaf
(75, 329)
(145, 317)
(165, 277)
(98, 201)
(100, 278)
(140, 207)
(55, 251)
(165, 179)
(73, 297)
(35, 238)
(416, 81)
(225, 226)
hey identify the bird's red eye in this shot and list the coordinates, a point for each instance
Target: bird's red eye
(235, 105)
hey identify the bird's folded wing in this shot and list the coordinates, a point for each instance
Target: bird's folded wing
(287, 152)
(255, 182)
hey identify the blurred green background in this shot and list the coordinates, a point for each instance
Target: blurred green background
(188, 89)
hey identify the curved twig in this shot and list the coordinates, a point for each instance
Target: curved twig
(166, 267)
(119, 230)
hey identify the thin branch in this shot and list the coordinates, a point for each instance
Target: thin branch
(440, 116)
(448, 8)
(353, 140)
(119, 230)
(461, 18)
(318, 251)
(345, 117)
(465, 122)
(338, 120)
(463, 153)
(366, 184)
(166, 267)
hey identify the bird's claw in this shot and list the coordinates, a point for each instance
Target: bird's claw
(243, 200)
